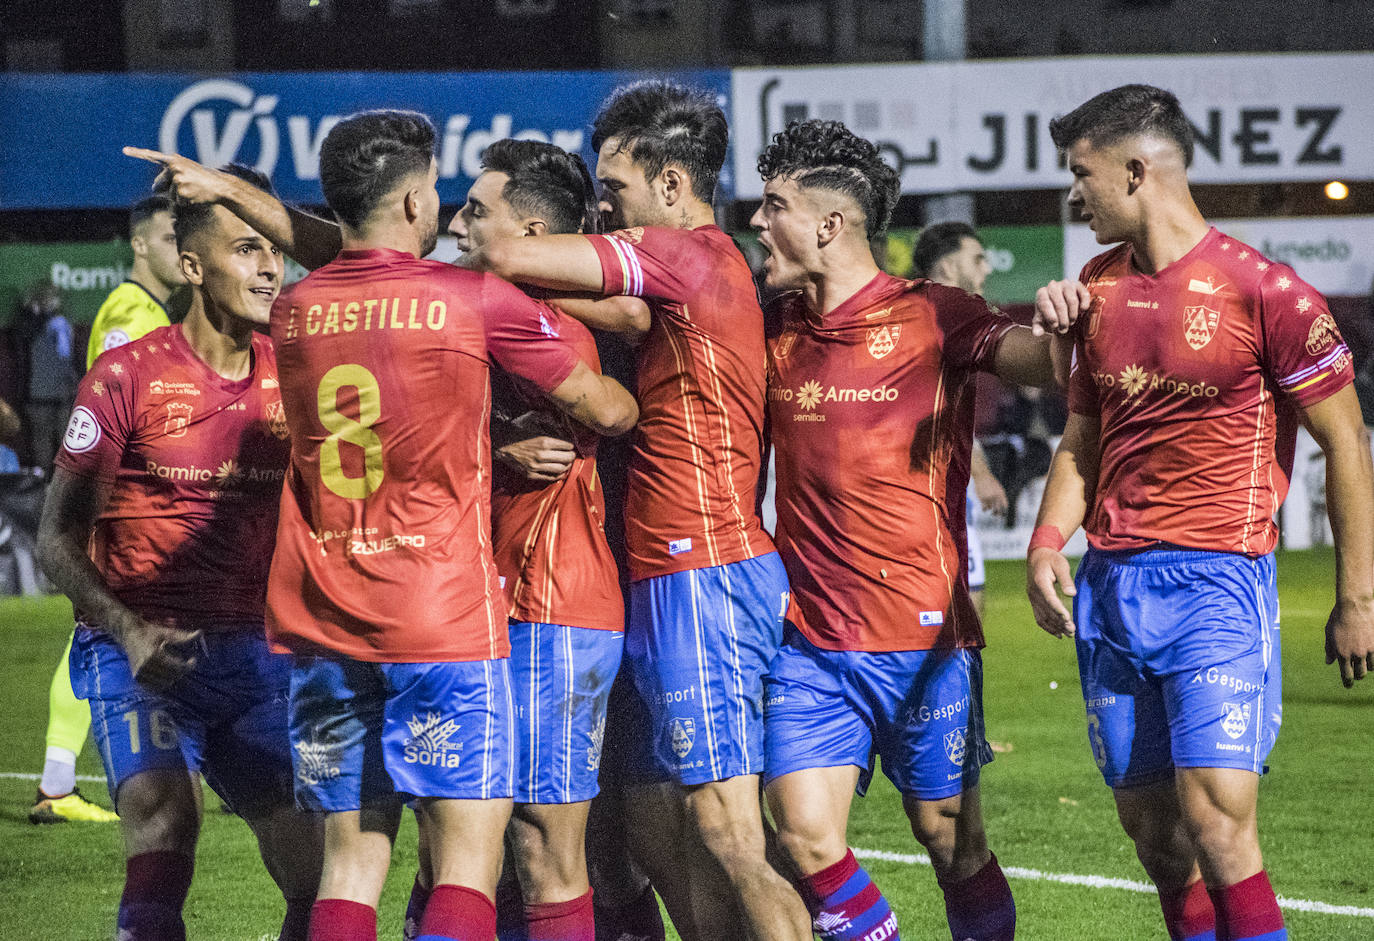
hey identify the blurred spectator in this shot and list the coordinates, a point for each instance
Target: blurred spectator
(9, 435)
(53, 371)
(139, 304)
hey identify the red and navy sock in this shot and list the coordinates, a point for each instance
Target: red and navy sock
(342, 920)
(561, 921)
(296, 925)
(457, 913)
(639, 920)
(980, 908)
(1188, 913)
(415, 909)
(1248, 911)
(155, 887)
(845, 905)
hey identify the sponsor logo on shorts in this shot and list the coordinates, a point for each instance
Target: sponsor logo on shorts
(684, 732)
(945, 711)
(1236, 719)
(932, 618)
(686, 694)
(679, 546)
(1217, 677)
(429, 742)
(1097, 702)
(316, 761)
(83, 431)
(956, 746)
(594, 749)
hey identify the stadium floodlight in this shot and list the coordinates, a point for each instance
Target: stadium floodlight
(1336, 190)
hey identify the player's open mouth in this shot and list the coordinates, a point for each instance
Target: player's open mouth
(265, 293)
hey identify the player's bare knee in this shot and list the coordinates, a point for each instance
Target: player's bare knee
(158, 811)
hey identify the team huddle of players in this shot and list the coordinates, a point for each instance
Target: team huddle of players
(445, 628)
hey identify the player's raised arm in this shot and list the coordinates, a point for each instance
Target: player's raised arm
(310, 240)
(597, 401)
(1336, 425)
(627, 316)
(1068, 492)
(560, 262)
(157, 652)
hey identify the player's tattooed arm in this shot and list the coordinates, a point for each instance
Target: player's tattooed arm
(309, 240)
(1336, 425)
(597, 401)
(158, 654)
(1068, 493)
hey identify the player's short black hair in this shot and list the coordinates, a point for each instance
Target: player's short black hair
(147, 207)
(366, 155)
(827, 155)
(189, 218)
(1125, 111)
(662, 123)
(936, 241)
(546, 181)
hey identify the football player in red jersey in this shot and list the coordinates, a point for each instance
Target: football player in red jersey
(1196, 357)
(871, 399)
(708, 591)
(159, 526)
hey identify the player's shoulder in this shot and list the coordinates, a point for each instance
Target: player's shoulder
(1252, 273)
(1103, 271)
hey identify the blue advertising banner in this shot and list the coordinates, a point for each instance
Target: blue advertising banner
(62, 134)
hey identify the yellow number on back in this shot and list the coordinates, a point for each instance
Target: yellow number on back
(357, 432)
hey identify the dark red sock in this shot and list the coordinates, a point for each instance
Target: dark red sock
(155, 887)
(342, 920)
(1247, 909)
(458, 913)
(981, 907)
(561, 921)
(1188, 912)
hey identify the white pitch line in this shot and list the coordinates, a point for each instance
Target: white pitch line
(22, 775)
(1106, 882)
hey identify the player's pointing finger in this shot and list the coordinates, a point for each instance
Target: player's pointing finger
(152, 156)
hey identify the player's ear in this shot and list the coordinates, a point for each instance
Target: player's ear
(191, 267)
(139, 244)
(831, 225)
(536, 227)
(674, 185)
(1135, 174)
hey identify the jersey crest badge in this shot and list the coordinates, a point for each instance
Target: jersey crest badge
(1236, 720)
(1322, 336)
(83, 431)
(1200, 325)
(784, 345)
(178, 417)
(684, 734)
(1094, 316)
(883, 340)
(956, 746)
(276, 421)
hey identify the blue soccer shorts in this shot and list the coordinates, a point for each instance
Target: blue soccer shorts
(920, 711)
(362, 732)
(1178, 653)
(226, 719)
(561, 678)
(699, 643)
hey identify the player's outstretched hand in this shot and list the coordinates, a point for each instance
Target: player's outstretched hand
(1350, 640)
(991, 494)
(1047, 570)
(1058, 306)
(184, 178)
(541, 459)
(159, 654)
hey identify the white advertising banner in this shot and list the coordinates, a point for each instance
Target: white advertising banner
(1334, 254)
(985, 125)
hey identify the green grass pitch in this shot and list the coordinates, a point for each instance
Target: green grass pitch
(1047, 809)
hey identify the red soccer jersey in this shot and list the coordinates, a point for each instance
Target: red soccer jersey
(550, 539)
(383, 549)
(195, 464)
(1193, 374)
(872, 425)
(700, 387)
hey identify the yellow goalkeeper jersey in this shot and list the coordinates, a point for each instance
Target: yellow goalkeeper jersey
(128, 313)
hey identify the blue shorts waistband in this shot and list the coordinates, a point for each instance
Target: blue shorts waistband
(1163, 555)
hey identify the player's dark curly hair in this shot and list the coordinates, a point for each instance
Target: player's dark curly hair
(662, 123)
(190, 218)
(367, 154)
(1125, 111)
(936, 242)
(546, 181)
(827, 155)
